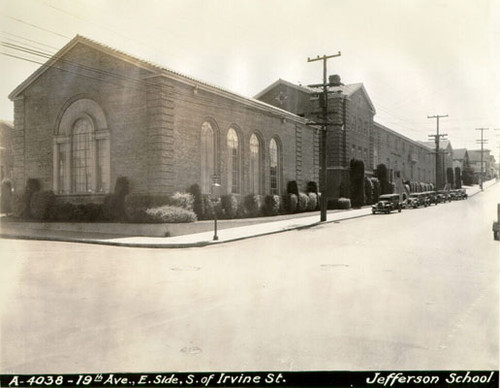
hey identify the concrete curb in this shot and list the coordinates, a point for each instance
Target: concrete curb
(194, 244)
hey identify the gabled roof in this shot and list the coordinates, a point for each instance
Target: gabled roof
(460, 153)
(475, 155)
(347, 90)
(154, 68)
(442, 144)
(406, 138)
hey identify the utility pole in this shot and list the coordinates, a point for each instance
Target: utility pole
(437, 137)
(324, 125)
(482, 142)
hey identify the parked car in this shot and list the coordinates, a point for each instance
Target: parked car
(418, 199)
(443, 196)
(432, 197)
(387, 203)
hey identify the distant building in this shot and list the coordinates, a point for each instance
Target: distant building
(404, 158)
(354, 134)
(488, 162)
(6, 156)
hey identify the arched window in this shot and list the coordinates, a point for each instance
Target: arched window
(255, 164)
(207, 156)
(275, 167)
(82, 150)
(233, 161)
(82, 158)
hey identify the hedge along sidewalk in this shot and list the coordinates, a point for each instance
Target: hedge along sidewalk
(189, 240)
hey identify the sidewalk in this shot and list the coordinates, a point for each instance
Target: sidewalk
(16, 230)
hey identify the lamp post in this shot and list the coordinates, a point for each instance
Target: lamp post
(216, 188)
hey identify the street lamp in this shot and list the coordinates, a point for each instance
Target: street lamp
(215, 194)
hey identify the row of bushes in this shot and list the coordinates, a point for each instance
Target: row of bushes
(119, 206)
(179, 207)
(252, 205)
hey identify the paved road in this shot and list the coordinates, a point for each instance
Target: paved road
(416, 290)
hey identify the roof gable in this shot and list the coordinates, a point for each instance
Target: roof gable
(155, 69)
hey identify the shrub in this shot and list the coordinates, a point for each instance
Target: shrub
(198, 201)
(313, 201)
(41, 204)
(357, 181)
(290, 203)
(170, 214)
(122, 186)
(18, 205)
(303, 202)
(376, 189)
(32, 186)
(229, 206)
(183, 200)
(292, 188)
(368, 191)
(136, 205)
(344, 203)
(339, 203)
(114, 204)
(6, 201)
(272, 205)
(312, 187)
(253, 205)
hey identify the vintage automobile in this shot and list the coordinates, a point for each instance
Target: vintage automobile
(417, 199)
(443, 196)
(387, 203)
(432, 197)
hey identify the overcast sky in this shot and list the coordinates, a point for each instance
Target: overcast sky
(415, 57)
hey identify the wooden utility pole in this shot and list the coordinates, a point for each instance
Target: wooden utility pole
(482, 142)
(324, 125)
(437, 137)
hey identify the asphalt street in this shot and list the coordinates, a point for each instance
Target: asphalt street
(411, 290)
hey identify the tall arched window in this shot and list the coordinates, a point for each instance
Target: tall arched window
(233, 161)
(255, 164)
(207, 156)
(275, 167)
(82, 157)
(82, 150)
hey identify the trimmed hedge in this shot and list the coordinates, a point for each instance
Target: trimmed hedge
(313, 201)
(41, 204)
(290, 202)
(7, 197)
(170, 214)
(272, 205)
(292, 188)
(114, 204)
(303, 202)
(135, 205)
(253, 205)
(339, 203)
(183, 200)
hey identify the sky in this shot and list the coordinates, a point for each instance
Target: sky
(416, 58)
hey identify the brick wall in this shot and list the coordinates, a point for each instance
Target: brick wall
(154, 124)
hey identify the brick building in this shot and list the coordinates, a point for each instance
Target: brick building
(354, 134)
(6, 165)
(350, 135)
(92, 114)
(404, 158)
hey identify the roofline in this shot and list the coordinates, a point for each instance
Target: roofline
(351, 88)
(416, 142)
(155, 70)
(283, 82)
